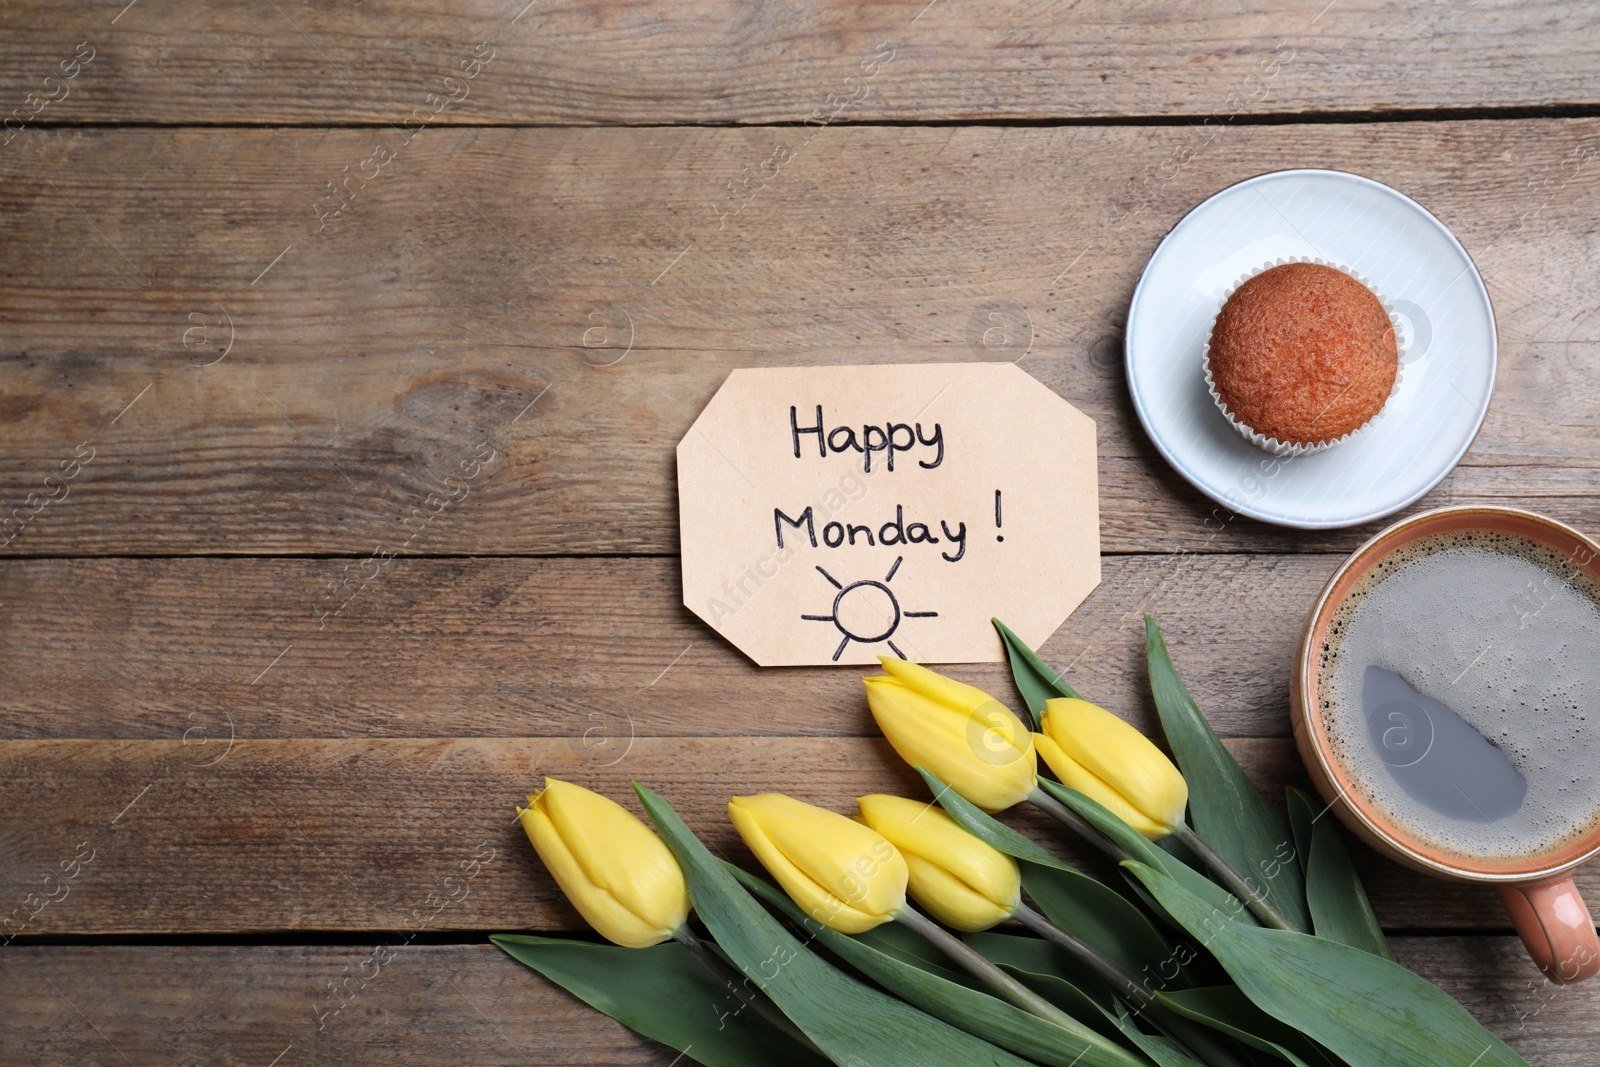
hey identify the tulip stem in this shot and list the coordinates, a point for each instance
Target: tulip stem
(1236, 883)
(1076, 823)
(1200, 1041)
(967, 957)
(740, 985)
(1106, 969)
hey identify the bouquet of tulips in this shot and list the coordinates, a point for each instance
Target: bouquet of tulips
(921, 932)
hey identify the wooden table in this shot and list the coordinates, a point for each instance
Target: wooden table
(269, 273)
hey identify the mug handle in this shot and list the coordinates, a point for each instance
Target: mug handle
(1555, 926)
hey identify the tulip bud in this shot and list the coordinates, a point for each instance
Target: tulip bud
(959, 880)
(618, 874)
(963, 736)
(1107, 760)
(841, 873)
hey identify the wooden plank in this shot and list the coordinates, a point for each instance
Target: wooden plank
(383, 834)
(700, 61)
(483, 291)
(253, 1006)
(245, 1005)
(1547, 1024)
(166, 649)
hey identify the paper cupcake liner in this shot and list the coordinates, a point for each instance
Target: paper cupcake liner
(1289, 448)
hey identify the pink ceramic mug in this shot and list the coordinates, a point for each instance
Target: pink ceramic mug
(1538, 890)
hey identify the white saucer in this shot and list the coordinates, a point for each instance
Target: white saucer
(1414, 263)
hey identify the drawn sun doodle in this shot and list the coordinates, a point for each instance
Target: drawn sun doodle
(867, 611)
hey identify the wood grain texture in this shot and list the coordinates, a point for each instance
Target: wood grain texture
(382, 834)
(701, 61)
(271, 319)
(523, 291)
(431, 1004)
(163, 649)
(244, 1006)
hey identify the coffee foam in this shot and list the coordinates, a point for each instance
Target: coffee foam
(1504, 631)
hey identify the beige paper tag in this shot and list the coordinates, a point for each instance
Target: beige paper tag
(835, 514)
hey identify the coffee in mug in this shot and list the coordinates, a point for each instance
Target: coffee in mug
(1444, 702)
(1457, 681)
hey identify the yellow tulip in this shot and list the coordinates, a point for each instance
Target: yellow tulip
(618, 874)
(958, 879)
(966, 738)
(1106, 759)
(841, 873)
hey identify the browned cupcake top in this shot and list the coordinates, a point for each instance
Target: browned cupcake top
(1304, 353)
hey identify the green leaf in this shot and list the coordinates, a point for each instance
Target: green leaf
(1051, 973)
(665, 994)
(1034, 679)
(1062, 979)
(851, 1022)
(1081, 905)
(908, 946)
(1229, 812)
(1227, 1009)
(1365, 1009)
(1137, 846)
(1339, 906)
(1164, 1050)
(1057, 976)
(975, 1011)
(1087, 908)
(1340, 909)
(1302, 820)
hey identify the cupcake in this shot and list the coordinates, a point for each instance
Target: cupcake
(1301, 356)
